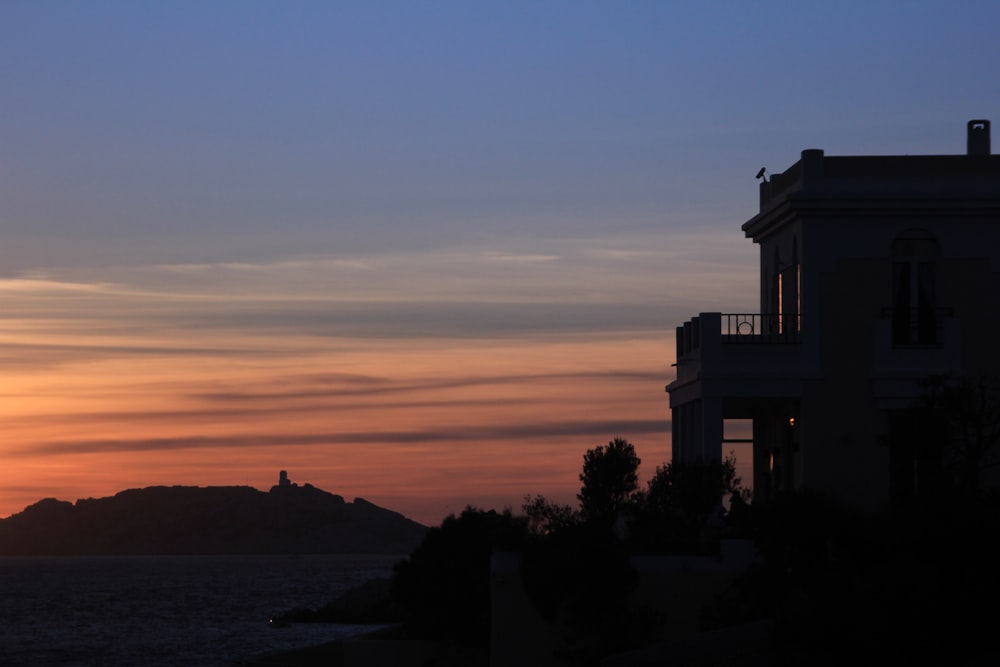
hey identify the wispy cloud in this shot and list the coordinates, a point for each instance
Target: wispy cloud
(426, 363)
(580, 286)
(312, 386)
(42, 285)
(471, 435)
(521, 258)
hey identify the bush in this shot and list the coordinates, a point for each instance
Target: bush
(443, 588)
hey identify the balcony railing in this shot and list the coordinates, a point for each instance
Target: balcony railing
(737, 328)
(917, 327)
(761, 328)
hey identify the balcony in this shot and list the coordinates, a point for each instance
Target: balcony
(740, 329)
(760, 329)
(909, 345)
(917, 327)
(742, 351)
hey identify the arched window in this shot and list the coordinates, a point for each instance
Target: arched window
(914, 288)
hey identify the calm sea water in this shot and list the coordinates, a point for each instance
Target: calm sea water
(168, 610)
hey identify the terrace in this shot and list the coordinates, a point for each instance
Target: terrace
(736, 342)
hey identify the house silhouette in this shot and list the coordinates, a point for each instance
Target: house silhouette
(875, 272)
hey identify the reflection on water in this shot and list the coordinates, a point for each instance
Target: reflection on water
(167, 610)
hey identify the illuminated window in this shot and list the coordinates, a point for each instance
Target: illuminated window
(788, 291)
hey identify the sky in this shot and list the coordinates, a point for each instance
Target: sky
(423, 253)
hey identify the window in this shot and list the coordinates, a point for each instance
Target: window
(914, 289)
(788, 291)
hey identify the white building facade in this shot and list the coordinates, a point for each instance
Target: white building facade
(875, 272)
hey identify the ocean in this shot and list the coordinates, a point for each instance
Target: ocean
(168, 610)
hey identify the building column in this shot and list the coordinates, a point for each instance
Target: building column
(696, 431)
(711, 430)
(677, 433)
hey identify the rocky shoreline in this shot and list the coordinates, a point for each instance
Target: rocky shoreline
(369, 603)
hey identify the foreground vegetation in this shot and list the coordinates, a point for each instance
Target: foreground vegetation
(836, 584)
(575, 561)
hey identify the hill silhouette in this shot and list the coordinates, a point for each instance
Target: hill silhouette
(289, 519)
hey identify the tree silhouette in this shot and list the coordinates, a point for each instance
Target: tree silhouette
(684, 500)
(694, 489)
(610, 478)
(545, 517)
(968, 409)
(443, 588)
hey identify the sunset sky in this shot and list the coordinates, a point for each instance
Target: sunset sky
(425, 253)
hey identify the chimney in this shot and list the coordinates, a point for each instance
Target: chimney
(979, 137)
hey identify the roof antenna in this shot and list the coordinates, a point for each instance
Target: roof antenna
(760, 174)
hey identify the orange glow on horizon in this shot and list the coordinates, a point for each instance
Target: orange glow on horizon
(421, 427)
(420, 381)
